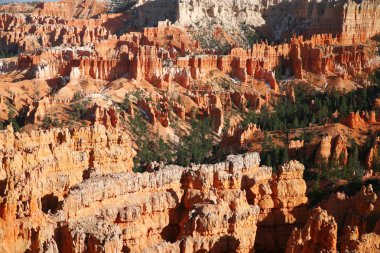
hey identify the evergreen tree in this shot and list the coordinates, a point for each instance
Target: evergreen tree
(195, 146)
(269, 160)
(284, 156)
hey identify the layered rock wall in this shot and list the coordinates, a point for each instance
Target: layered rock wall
(205, 207)
(72, 8)
(345, 224)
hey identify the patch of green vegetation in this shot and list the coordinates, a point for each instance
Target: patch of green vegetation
(16, 118)
(4, 54)
(275, 157)
(252, 35)
(316, 108)
(117, 6)
(197, 145)
(149, 148)
(376, 38)
(48, 122)
(375, 77)
(77, 96)
(315, 195)
(307, 137)
(78, 111)
(126, 104)
(225, 84)
(207, 42)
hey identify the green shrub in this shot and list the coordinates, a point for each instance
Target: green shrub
(78, 111)
(48, 122)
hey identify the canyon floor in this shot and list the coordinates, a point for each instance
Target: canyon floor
(190, 126)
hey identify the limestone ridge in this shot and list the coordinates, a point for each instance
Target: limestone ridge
(175, 209)
(204, 207)
(276, 19)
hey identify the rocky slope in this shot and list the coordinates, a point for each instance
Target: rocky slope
(71, 8)
(354, 21)
(86, 95)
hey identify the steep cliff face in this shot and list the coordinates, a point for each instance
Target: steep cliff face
(228, 13)
(345, 224)
(205, 207)
(318, 235)
(201, 13)
(67, 190)
(72, 8)
(359, 210)
(353, 21)
(39, 168)
(282, 203)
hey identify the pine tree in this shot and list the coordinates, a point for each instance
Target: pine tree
(195, 146)
(269, 160)
(284, 156)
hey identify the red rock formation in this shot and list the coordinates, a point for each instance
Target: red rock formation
(353, 21)
(72, 190)
(202, 227)
(38, 111)
(296, 144)
(354, 120)
(146, 65)
(339, 151)
(167, 35)
(101, 69)
(71, 8)
(105, 116)
(373, 154)
(144, 56)
(17, 8)
(319, 57)
(282, 204)
(332, 151)
(205, 205)
(318, 235)
(357, 220)
(236, 136)
(217, 119)
(352, 241)
(205, 222)
(295, 54)
(38, 170)
(154, 114)
(358, 210)
(179, 110)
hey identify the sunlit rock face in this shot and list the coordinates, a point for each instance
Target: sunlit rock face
(71, 188)
(203, 207)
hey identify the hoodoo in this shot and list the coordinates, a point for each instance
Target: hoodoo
(189, 126)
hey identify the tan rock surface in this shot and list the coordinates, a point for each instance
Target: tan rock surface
(318, 235)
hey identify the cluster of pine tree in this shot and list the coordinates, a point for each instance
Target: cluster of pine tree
(317, 108)
(193, 147)
(4, 54)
